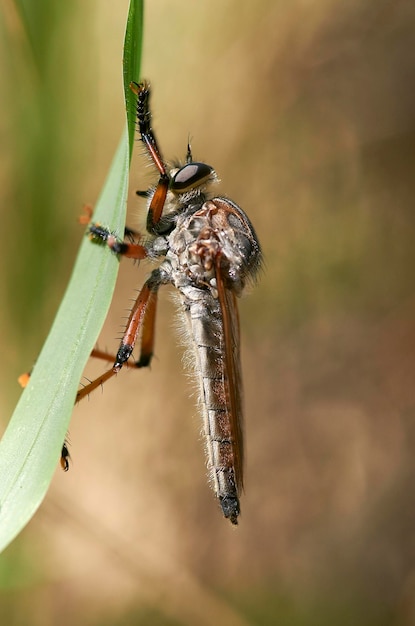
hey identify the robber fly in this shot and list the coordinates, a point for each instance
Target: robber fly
(209, 250)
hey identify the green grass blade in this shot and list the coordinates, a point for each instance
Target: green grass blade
(30, 447)
(131, 65)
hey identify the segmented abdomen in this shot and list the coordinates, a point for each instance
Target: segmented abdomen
(224, 447)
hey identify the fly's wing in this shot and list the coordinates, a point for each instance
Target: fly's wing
(233, 377)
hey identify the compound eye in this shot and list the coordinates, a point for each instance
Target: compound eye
(190, 176)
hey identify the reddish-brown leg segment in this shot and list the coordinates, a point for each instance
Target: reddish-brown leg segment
(131, 250)
(141, 321)
(148, 138)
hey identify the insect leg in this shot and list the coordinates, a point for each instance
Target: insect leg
(141, 320)
(108, 357)
(149, 140)
(147, 337)
(148, 331)
(65, 456)
(129, 249)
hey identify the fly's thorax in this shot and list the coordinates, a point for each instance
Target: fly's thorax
(215, 236)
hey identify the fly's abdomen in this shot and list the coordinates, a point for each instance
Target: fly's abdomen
(207, 335)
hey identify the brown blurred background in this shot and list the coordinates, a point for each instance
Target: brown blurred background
(307, 111)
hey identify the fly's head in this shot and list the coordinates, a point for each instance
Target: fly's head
(189, 185)
(188, 189)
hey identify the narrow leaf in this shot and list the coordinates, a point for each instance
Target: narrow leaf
(30, 447)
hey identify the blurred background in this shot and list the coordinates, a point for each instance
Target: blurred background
(307, 112)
